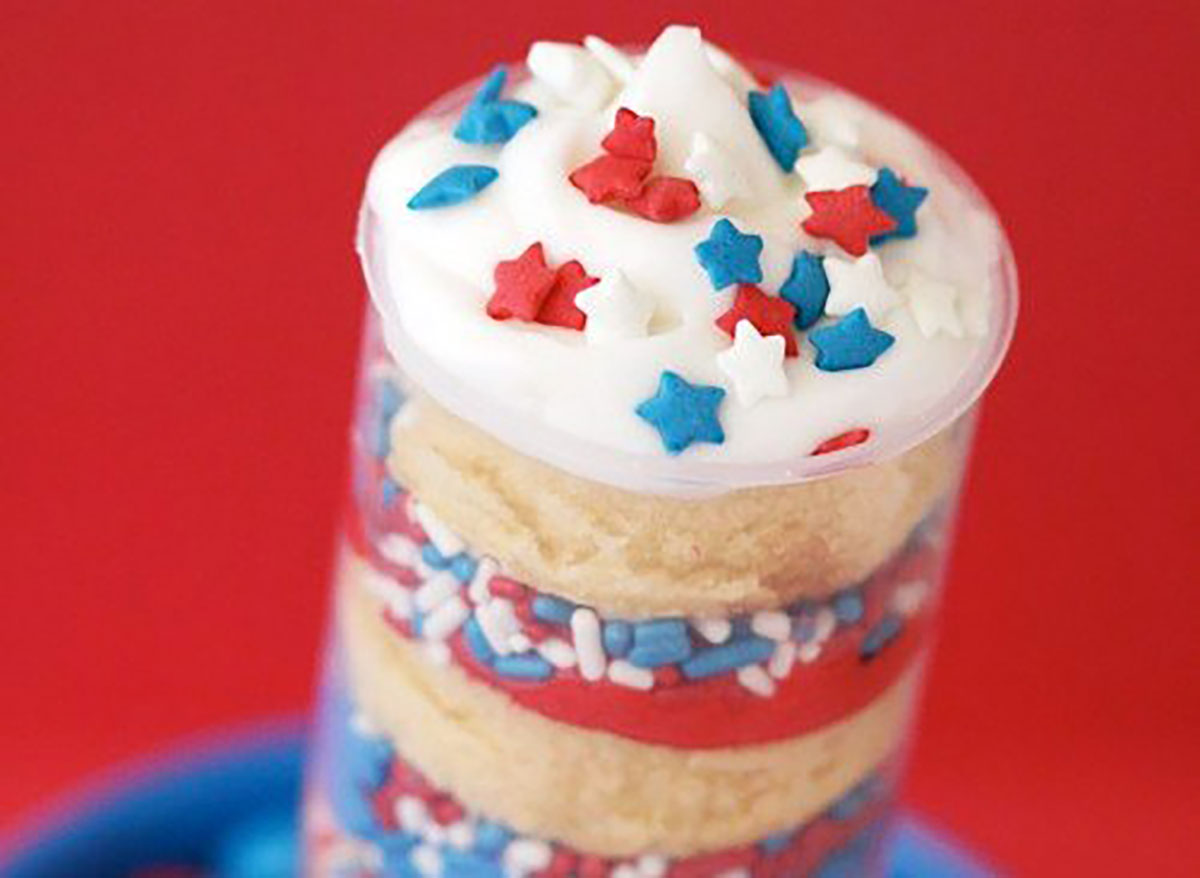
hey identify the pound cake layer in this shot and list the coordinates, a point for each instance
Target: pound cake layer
(646, 554)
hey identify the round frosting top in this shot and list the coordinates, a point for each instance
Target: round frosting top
(659, 272)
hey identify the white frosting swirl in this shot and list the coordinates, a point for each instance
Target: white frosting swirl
(557, 388)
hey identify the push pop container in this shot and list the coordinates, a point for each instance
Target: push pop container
(555, 652)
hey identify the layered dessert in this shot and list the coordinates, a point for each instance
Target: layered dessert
(666, 393)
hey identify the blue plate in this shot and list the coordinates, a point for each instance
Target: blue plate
(228, 804)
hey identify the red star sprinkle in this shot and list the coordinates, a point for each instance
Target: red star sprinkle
(620, 176)
(559, 309)
(610, 178)
(666, 199)
(848, 217)
(522, 285)
(632, 137)
(843, 440)
(770, 315)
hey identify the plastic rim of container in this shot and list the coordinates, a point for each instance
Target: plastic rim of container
(681, 476)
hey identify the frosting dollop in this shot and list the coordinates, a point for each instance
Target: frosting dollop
(571, 397)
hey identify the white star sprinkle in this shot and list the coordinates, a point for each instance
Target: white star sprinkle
(572, 73)
(615, 310)
(613, 60)
(754, 364)
(859, 284)
(831, 168)
(714, 171)
(934, 305)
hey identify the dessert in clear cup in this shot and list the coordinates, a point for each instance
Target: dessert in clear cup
(668, 382)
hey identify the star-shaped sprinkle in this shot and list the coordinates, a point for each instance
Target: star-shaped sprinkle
(714, 171)
(807, 288)
(454, 185)
(487, 119)
(683, 413)
(934, 305)
(631, 137)
(729, 256)
(622, 176)
(666, 199)
(560, 307)
(615, 61)
(492, 87)
(754, 364)
(851, 343)
(899, 201)
(777, 124)
(573, 73)
(610, 178)
(615, 309)
(496, 122)
(832, 168)
(769, 314)
(522, 285)
(859, 284)
(848, 217)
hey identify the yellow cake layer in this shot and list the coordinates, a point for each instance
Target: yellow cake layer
(637, 554)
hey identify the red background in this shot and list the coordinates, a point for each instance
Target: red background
(177, 338)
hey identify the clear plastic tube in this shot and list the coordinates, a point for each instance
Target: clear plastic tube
(555, 660)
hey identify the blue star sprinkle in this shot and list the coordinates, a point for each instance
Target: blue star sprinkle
(487, 119)
(806, 288)
(683, 413)
(778, 126)
(496, 122)
(456, 184)
(851, 343)
(492, 86)
(730, 256)
(899, 201)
